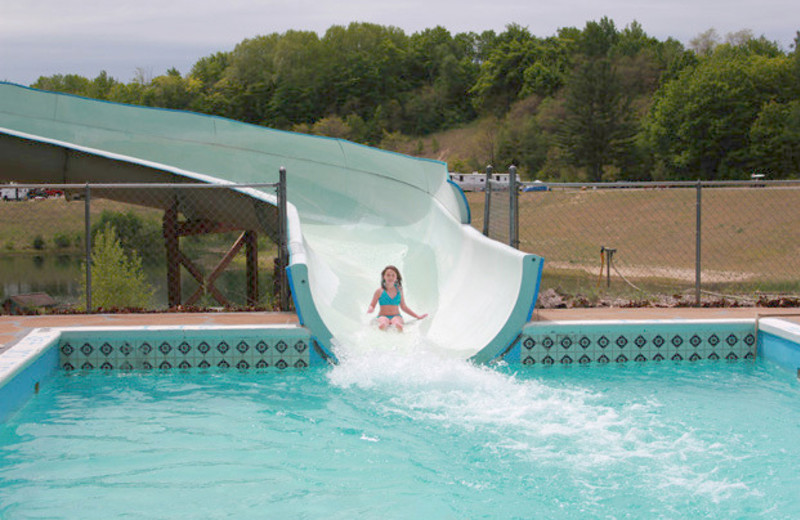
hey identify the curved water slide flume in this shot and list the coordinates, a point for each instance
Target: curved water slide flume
(353, 210)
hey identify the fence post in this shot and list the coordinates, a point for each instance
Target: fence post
(251, 266)
(283, 239)
(513, 208)
(169, 229)
(487, 200)
(698, 242)
(87, 220)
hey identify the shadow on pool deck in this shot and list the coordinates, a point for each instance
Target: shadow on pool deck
(13, 328)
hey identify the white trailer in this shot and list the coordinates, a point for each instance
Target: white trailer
(9, 192)
(477, 181)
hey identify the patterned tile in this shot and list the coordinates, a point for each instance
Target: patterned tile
(622, 343)
(169, 351)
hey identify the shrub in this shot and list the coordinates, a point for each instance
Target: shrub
(38, 242)
(117, 278)
(61, 240)
(135, 234)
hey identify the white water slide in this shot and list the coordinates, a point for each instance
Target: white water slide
(352, 211)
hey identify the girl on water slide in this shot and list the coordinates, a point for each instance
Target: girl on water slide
(390, 297)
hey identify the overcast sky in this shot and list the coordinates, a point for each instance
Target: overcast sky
(46, 37)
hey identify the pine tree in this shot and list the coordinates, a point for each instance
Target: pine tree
(597, 127)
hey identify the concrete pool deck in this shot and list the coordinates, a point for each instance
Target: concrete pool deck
(14, 328)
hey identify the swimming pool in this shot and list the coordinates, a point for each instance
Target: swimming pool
(398, 431)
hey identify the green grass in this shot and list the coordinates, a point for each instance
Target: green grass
(54, 220)
(57, 221)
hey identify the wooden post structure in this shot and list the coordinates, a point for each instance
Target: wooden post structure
(251, 266)
(170, 230)
(173, 229)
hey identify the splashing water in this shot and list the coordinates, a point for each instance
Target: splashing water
(593, 437)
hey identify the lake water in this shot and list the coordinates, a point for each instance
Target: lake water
(60, 277)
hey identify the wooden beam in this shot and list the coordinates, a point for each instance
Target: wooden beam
(251, 266)
(189, 265)
(169, 227)
(203, 227)
(195, 272)
(173, 229)
(227, 259)
(208, 285)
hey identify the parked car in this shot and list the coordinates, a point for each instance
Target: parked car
(536, 185)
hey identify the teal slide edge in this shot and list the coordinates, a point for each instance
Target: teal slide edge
(520, 315)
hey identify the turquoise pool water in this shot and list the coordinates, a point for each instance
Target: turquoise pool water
(387, 434)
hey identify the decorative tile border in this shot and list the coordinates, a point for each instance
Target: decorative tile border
(32, 359)
(186, 348)
(620, 342)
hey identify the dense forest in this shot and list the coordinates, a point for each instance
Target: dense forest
(591, 104)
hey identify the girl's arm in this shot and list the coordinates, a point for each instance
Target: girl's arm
(374, 301)
(408, 311)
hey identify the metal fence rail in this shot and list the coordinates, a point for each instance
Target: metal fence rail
(738, 239)
(178, 245)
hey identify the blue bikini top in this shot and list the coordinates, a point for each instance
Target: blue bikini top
(385, 299)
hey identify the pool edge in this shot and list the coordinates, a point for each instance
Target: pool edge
(26, 364)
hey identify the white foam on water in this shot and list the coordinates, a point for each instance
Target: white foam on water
(538, 421)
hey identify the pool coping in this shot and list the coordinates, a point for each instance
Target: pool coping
(780, 327)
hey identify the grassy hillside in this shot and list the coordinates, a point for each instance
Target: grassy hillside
(465, 149)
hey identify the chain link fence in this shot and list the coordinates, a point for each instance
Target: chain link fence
(500, 207)
(680, 240)
(142, 246)
(209, 246)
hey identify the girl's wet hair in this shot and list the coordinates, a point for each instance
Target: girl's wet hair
(396, 271)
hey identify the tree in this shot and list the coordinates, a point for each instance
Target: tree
(69, 84)
(332, 126)
(502, 74)
(136, 235)
(597, 128)
(704, 43)
(441, 69)
(250, 78)
(699, 126)
(101, 86)
(117, 278)
(171, 91)
(297, 96)
(775, 139)
(211, 69)
(598, 38)
(364, 66)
